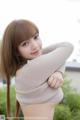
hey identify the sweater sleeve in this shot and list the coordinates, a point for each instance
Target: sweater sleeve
(39, 69)
(52, 47)
(62, 69)
(49, 49)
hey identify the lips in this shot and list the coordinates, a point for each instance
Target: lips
(35, 52)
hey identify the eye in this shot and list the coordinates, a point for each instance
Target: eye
(25, 44)
(36, 37)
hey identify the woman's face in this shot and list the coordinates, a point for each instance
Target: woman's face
(31, 48)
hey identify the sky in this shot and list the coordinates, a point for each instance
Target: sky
(57, 20)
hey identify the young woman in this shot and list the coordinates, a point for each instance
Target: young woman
(38, 71)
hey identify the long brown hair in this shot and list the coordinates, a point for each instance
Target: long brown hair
(16, 32)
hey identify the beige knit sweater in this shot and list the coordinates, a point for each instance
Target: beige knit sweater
(31, 84)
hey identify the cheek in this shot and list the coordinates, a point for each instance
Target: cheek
(23, 51)
(20, 50)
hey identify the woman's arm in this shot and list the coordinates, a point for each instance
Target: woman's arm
(57, 78)
(61, 69)
(51, 47)
(39, 69)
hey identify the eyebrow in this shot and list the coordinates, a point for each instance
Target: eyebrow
(35, 34)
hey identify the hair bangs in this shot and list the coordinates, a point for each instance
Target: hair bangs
(24, 31)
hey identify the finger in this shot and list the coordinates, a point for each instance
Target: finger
(53, 83)
(50, 80)
(58, 84)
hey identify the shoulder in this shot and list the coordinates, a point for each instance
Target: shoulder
(18, 72)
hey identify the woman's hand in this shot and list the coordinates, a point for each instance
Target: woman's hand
(56, 80)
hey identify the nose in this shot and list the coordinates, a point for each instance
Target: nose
(34, 45)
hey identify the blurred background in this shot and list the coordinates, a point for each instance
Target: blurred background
(57, 20)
